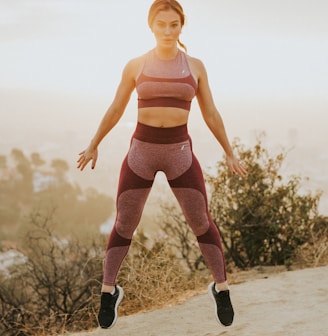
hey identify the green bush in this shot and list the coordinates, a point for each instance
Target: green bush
(263, 218)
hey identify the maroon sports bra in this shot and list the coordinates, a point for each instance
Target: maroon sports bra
(166, 83)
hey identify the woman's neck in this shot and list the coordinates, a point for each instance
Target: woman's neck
(166, 54)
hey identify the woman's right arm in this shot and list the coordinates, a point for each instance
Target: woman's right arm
(112, 115)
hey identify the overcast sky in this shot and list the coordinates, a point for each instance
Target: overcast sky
(269, 47)
(266, 59)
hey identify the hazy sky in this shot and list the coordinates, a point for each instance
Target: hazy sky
(267, 47)
(269, 57)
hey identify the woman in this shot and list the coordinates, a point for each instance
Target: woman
(166, 80)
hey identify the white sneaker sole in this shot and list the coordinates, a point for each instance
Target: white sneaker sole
(210, 293)
(119, 299)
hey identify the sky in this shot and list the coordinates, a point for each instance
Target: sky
(61, 61)
(272, 48)
(266, 59)
(273, 52)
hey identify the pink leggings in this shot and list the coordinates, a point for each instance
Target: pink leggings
(168, 150)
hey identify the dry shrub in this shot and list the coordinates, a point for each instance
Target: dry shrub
(154, 276)
(314, 252)
(58, 288)
(55, 289)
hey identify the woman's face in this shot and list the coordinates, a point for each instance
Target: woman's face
(167, 28)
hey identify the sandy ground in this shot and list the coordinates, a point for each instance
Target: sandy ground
(288, 303)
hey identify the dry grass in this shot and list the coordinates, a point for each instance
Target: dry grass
(153, 278)
(313, 253)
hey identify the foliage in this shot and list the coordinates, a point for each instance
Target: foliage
(262, 218)
(28, 184)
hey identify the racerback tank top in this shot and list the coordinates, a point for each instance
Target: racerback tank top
(166, 83)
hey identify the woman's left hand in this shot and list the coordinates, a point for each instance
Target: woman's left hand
(235, 166)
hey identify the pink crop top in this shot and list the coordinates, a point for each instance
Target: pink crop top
(166, 83)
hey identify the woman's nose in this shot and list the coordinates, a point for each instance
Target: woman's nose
(167, 31)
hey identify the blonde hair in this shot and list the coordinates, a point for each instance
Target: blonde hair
(165, 5)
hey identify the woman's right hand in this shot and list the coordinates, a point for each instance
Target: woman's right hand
(89, 154)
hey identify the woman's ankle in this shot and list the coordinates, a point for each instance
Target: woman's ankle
(222, 286)
(107, 289)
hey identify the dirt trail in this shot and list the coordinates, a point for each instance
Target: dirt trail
(287, 304)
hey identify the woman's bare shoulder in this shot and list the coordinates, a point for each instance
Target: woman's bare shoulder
(196, 65)
(196, 62)
(135, 65)
(137, 61)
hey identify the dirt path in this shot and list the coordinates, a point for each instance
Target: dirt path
(289, 303)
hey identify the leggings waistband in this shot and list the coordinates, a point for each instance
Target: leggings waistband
(161, 135)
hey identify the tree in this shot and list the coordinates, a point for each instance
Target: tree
(78, 212)
(60, 167)
(3, 162)
(24, 185)
(36, 160)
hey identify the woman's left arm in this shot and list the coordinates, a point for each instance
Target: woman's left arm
(213, 118)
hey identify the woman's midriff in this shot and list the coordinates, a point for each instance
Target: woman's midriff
(163, 116)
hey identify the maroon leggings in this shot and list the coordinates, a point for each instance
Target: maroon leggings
(168, 150)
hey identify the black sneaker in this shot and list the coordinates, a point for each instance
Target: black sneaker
(223, 308)
(107, 315)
